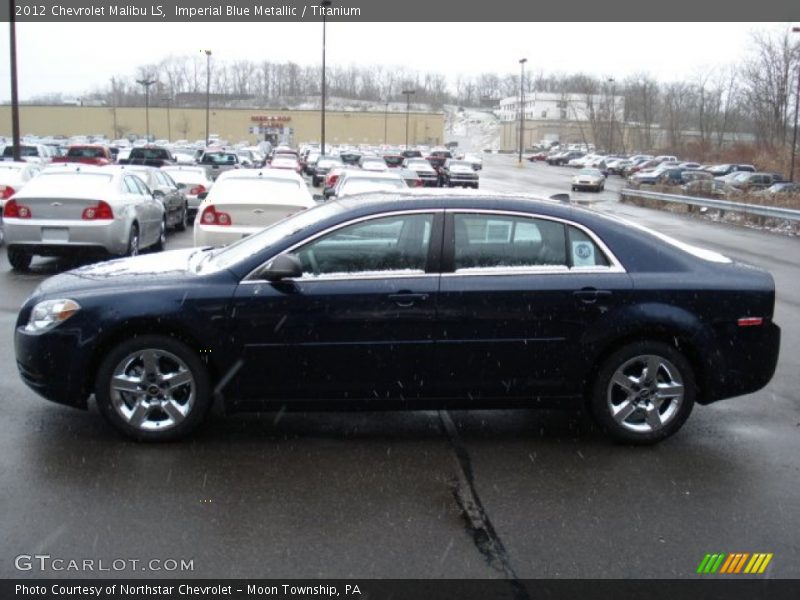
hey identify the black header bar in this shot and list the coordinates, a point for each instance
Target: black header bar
(66, 11)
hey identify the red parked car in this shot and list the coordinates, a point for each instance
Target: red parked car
(90, 154)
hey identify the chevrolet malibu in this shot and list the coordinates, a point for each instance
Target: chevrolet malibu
(404, 301)
(70, 209)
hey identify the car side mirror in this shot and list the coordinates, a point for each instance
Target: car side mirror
(202, 195)
(281, 267)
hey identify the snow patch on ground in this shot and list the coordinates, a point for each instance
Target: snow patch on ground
(475, 130)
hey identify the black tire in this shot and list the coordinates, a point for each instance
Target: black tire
(314, 182)
(20, 259)
(193, 396)
(184, 220)
(162, 236)
(134, 247)
(646, 422)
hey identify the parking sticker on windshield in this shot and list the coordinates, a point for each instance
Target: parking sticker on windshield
(582, 254)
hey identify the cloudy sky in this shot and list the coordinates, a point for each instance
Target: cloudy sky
(71, 58)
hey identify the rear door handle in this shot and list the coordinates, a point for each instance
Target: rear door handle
(407, 299)
(591, 295)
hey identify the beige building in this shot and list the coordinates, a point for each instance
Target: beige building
(233, 125)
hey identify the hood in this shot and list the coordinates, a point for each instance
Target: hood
(132, 273)
(461, 169)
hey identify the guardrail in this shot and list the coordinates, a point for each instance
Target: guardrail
(774, 212)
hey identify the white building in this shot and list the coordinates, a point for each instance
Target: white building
(541, 106)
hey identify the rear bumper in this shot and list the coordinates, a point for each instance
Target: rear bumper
(58, 237)
(750, 358)
(215, 235)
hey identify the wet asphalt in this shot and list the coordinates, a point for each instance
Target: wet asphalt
(487, 494)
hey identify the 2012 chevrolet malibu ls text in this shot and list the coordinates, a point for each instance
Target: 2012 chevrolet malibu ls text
(408, 301)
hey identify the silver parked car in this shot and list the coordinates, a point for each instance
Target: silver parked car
(195, 181)
(80, 208)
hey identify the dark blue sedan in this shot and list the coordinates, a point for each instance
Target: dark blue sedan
(403, 302)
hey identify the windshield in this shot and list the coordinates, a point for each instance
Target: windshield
(253, 189)
(55, 183)
(227, 256)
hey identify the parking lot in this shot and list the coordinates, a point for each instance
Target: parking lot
(515, 494)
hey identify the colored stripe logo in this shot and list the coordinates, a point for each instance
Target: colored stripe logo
(734, 564)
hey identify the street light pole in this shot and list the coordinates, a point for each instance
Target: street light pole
(15, 149)
(522, 62)
(324, 4)
(613, 115)
(796, 106)
(408, 108)
(146, 83)
(386, 123)
(169, 125)
(208, 91)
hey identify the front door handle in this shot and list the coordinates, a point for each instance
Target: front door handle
(407, 299)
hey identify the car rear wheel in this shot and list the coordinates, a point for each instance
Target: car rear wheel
(133, 241)
(643, 393)
(184, 220)
(20, 259)
(153, 388)
(162, 236)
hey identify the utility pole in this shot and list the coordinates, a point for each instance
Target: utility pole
(796, 106)
(408, 108)
(146, 83)
(613, 115)
(208, 90)
(14, 91)
(522, 62)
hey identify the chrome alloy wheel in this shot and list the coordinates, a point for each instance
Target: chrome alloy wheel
(645, 393)
(152, 389)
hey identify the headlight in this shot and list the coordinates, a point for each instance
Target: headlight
(50, 313)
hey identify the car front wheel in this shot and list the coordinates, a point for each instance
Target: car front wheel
(153, 388)
(643, 393)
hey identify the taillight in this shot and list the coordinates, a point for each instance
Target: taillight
(6, 191)
(418, 183)
(211, 217)
(13, 210)
(101, 211)
(196, 190)
(750, 321)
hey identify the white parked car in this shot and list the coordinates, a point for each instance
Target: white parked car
(589, 179)
(35, 153)
(360, 182)
(78, 209)
(373, 163)
(13, 177)
(247, 200)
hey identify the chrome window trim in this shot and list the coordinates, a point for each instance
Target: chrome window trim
(614, 267)
(250, 277)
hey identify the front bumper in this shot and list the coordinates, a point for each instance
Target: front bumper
(53, 365)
